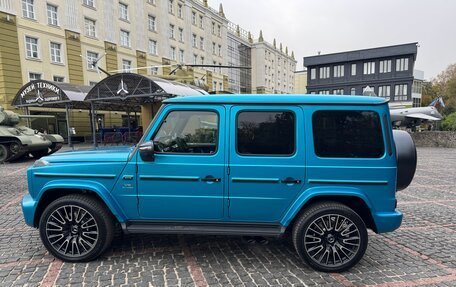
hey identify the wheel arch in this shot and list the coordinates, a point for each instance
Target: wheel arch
(54, 192)
(351, 198)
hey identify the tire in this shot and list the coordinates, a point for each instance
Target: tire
(76, 228)
(5, 153)
(330, 237)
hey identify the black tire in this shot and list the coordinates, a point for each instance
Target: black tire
(317, 244)
(79, 234)
(5, 153)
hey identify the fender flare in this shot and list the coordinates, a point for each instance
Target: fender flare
(92, 186)
(319, 191)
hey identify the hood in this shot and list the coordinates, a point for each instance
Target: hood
(104, 154)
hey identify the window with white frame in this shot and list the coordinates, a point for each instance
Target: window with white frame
(181, 56)
(201, 43)
(324, 73)
(402, 64)
(171, 31)
(214, 48)
(58, 79)
(89, 26)
(154, 70)
(171, 6)
(152, 47)
(181, 35)
(90, 3)
(201, 22)
(172, 53)
(52, 15)
(324, 92)
(194, 18)
(124, 38)
(123, 11)
(213, 28)
(31, 47)
(56, 52)
(384, 91)
(91, 58)
(369, 68)
(194, 42)
(180, 11)
(400, 92)
(338, 71)
(219, 30)
(353, 69)
(28, 9)
(151, 23)
(126, 65)
(151, 2)
(353, 91)
(313, 74)
(338, 91)
(195, 58)
(385, 66)
(34, 76)
(220, 50)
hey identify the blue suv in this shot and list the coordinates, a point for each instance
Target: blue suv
(320, 169)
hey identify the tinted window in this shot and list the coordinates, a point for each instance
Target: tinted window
(265, 133)
(347, 134)
(188, 132)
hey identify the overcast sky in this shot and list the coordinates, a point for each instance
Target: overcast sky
(330, 26)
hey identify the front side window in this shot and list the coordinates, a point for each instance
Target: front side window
(265, 133)
(347, 134)
(191, 132)
(52, 15)
(31, 47)
(28, 10)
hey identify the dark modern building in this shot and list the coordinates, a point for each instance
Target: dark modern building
(389, 71)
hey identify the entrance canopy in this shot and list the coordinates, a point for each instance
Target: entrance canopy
(41, 93)
(133, 90)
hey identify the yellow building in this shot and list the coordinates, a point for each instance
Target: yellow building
(300, 82)
(57, 40)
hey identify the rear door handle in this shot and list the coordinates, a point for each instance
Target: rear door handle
(210, 178)
(290, 180)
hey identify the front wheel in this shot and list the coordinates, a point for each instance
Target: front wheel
(330, 237)
(76, 228)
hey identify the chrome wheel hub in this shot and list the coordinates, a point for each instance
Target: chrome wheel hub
(72, 231)
(332, 240)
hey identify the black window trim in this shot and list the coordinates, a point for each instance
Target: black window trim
(266, 155)
(189, 110)
(348, 158)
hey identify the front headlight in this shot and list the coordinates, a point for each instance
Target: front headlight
(40, 162)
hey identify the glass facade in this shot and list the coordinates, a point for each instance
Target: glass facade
(239, 54)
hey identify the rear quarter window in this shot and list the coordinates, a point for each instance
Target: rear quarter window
(347, 134)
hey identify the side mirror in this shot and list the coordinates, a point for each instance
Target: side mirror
(146, 151)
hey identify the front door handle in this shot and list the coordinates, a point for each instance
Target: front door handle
(210, 178)
(290, 180)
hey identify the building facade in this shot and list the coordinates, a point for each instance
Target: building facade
(389, 71)
(57, 40)
(300, 85)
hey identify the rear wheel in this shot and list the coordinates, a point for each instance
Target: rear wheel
(330, 237)
(5, 153)
(76, 228)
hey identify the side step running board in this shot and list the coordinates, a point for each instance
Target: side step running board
(203, 228)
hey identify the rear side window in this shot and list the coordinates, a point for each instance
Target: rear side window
(265, 133)
(348, 134)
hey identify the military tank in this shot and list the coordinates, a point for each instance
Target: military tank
(17, 141)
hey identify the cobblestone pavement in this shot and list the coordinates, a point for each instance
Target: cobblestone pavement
(421, 253)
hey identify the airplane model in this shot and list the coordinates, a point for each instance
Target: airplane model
(412, 117)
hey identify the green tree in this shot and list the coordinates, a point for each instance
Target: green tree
(449, 123)
(445, 85)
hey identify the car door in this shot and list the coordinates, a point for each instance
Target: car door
(266, 161)
(185, 179)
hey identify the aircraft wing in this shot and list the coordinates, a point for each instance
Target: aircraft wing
(422, 116)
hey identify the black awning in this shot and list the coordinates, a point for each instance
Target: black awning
(134, 90)
(41, 93)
